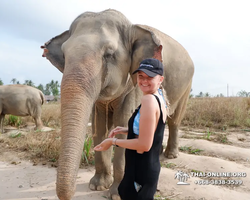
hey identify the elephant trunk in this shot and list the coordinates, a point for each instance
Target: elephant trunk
(76, 107)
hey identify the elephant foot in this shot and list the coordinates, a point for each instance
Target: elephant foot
(113, 192)
(171, 154)
(38, 128)
(100, 182)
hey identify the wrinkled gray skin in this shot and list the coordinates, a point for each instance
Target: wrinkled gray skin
(97, 56)
(21, 100)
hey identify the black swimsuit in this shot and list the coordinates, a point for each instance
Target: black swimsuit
(144, 169)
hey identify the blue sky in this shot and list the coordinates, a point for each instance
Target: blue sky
(216, 34)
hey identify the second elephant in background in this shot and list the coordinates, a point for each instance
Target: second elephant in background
(21, 100)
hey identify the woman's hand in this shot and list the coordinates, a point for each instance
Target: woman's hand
(118, 130)
(105, 145)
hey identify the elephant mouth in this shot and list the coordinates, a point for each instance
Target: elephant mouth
(45, 51)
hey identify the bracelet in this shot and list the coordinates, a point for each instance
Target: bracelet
(114, 142)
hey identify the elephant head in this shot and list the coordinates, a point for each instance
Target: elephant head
(97, 56)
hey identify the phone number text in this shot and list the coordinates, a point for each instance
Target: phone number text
(218, 182)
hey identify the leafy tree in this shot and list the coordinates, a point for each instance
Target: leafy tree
(220, 95)
(200, 94)
(243, 93)
(1, 82)
(29, 82)
(40, 87)
(190, 94)
(207, 94)
(54, 88)
(13, 81)
(47, 89)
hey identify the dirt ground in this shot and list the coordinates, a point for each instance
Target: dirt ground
(213, 154)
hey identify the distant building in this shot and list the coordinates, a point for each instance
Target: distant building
(50, 98)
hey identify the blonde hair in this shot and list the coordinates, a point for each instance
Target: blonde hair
(164, 93)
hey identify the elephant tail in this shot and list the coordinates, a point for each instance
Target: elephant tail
(42, 97)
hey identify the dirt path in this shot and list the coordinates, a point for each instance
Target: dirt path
(23, 181)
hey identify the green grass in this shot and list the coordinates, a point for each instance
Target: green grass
(208, 135)
(87, 154)
(169, 165)
(190, 150)
(13, 120)
(16, 135)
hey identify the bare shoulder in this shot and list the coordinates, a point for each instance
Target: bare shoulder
(148, 100)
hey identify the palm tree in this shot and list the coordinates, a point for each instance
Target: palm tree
(220, 95)
(29, 82)
(54, 85)
(13, 81)
(207, 94)
(200, 94)
(40, 87)
(47, 89)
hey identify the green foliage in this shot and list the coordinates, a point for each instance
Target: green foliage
(169, 165)
(222, 138)
(159, 197)
(47, 89)
(54, 85)
(86, 154)
(29, 82)
(201, 94)
(40, 87)
(190, 150)
(51, 88)
(14, 121)
(13, 81)
(16, 135)
(220, 95)
(243, 93)
(207, 136)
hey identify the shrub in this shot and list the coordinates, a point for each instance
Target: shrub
(13, 120)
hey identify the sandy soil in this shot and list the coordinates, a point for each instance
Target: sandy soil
(23, 181)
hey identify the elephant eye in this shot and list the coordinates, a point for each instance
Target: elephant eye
(109, 53)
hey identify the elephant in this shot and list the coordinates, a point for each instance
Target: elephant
(21, 100)
(97, 57)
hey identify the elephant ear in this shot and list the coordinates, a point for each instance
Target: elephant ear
(53, 52)
(145, 44)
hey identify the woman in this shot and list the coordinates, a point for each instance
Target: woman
(144, 136)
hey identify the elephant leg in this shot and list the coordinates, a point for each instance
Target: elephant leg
(103, 177)
(121, 117)
(173, 124)
(1, 122)
(38, 120)
(118, 161)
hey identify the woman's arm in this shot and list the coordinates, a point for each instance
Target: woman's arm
(147, 128)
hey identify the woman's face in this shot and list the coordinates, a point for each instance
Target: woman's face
(148, 85)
